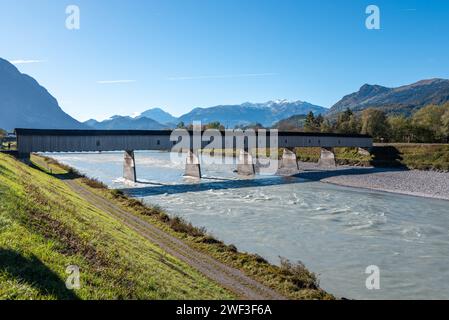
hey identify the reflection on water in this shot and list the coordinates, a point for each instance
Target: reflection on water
(335, 231)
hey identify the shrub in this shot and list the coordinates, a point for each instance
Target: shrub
(259, 259)
(117, 193)
(94, 183)
(210, 239)
(298, 274)
(180, 225)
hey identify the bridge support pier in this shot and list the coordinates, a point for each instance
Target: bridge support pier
(193, 168)
(289, 161)
(129, 166)
(327, 158)
(24, 157)
(245, 165)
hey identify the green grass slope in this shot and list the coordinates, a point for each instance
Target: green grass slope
(412, 155)
(407, 155)
(45, 227)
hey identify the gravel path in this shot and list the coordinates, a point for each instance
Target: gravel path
(428, 184)
(230, 278)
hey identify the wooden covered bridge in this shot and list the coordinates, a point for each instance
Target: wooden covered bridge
(39, 140)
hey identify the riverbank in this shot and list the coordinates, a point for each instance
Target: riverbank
(48, 231)
(219, 270)
(429, 184)
(335, 231)
(413, 156)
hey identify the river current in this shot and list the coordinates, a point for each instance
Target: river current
(337, 232)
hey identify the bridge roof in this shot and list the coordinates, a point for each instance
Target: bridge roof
(61, 132)
(74, 132)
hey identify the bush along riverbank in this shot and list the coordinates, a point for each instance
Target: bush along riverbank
(410, 156)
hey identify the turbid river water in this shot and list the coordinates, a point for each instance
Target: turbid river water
(337, 232)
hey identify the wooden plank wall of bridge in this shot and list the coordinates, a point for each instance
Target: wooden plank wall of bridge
(91, 140)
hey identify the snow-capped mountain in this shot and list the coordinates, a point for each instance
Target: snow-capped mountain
(266, 113)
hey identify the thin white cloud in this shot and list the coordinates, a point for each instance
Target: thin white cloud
(23, 61)
(115, 81)
(223, 76)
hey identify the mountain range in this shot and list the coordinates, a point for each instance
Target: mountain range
(126, 123)
(401, 100)
(247, 113)
(230, 116)
(26, 104)
(160, 116)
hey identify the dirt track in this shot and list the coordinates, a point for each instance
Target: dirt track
(230, 278)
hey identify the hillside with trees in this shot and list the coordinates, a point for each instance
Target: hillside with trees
(404, 100)
(427, 125)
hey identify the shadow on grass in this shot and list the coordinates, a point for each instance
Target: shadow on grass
(70, 175)
(387, 156)
(35, 273)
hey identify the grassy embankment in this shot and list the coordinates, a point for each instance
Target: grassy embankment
(412, 156)
(408, 155)
(44, 227)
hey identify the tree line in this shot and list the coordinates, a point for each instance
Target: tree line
(428, 125)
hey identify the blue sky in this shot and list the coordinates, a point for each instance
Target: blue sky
(198, 53)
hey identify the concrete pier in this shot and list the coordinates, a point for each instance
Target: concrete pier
(289, 161)
(193, 168)
(129, 166)
(327, 158)
(245, 165)
(24, 157)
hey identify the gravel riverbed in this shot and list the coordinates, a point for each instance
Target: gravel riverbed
(429, 184)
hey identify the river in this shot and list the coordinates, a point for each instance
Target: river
(337, 232)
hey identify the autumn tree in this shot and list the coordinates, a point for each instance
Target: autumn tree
(445, 123)
(374, 123)
(400, 128)
(428, 123)
(326, 126)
